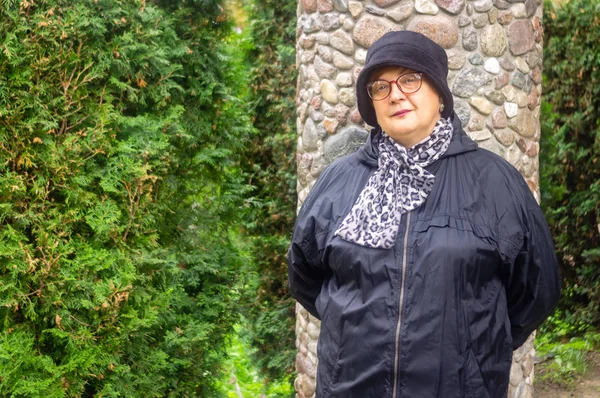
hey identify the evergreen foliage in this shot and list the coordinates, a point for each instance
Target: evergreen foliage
(570, 152)
(119, 184)
(270, 164)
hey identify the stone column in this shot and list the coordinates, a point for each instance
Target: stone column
(495, 58)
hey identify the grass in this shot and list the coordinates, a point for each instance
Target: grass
(243, 377)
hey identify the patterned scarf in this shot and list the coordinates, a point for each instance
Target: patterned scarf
(400, 184)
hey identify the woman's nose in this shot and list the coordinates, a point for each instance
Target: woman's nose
(396, 94)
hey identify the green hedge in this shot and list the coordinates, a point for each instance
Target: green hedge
(271, 167)
(570, 152)
(119, 184)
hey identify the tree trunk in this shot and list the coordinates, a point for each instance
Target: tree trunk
(495, 57)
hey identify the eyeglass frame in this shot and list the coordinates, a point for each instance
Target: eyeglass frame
(397, 85)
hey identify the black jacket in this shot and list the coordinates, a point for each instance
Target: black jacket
(472, 274)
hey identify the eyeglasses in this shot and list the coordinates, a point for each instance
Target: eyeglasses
(408, 83)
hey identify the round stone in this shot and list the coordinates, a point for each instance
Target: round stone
(476, 59)
(463, 21)
(375, 10)
(343, 79)
(530, 8)
(310, 24)
(521, 65)
(507, 64)
(341, 113)
(463, 110)
(520, 37)
(480, 135)
(501, 80)
(493, 42)
(493, 15)
(324, 6)
(342, 41)
(517, 79)
(325, 53)
(401, 12)
(495, 96)
(536, 75)
(499, 120)
(341, 61)
(519, 10)
(346, 141)
(309, 6)
(468, 81)
(360, 56)
(330, 125)
(355, 116)
(426, 7)
(355, 8)
(452, 6)
(469, 39)
(526, 123)
(322, 38)
(477, 123)
(369, 29)
(513, 155)
(492, 65)
(533, 99)
(329, 92)
(510, 93)
(511, 109)
(481, 104)
(522, 99)
(386, 3)
(315, 115)
(441, 30)
(323, 69)
(347, 96)
(331, 22)
(307, 42)
(340, 5)
(307, 57)
(348, 25)
(481, 20)
(483, 5)
(456, 59)
(505, 17)
(501, 4)
(504, 136)
(309, 136)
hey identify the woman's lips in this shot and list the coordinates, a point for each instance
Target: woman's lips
(401, 112)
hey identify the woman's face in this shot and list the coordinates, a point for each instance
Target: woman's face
(407, 118)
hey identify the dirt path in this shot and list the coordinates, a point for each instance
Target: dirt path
(587, 386)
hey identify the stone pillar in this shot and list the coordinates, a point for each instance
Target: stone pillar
(495, 58)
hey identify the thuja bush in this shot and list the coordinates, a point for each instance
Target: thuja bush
(270, 165)
(570, 153)
(118, 188)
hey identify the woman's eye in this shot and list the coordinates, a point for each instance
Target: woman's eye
(380, 87)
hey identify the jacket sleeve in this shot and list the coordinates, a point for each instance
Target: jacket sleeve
(532, 280)
(306, 273)
(306, 270)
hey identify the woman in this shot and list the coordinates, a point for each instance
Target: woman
(426, 258)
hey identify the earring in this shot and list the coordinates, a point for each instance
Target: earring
(442, 108)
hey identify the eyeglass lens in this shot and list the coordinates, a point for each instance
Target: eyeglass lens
(381, 89)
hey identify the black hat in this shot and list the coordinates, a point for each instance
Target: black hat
(409, 50)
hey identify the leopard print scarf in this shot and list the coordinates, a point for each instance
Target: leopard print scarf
(400, 184)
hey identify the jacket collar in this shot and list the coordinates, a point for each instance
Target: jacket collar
(460, 143)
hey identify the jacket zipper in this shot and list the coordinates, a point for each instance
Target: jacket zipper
(400, 304)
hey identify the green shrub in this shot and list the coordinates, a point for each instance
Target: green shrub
(270, 165)
(570, 151)
(119, 183)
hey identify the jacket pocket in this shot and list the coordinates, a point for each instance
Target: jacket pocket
(473, 383)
